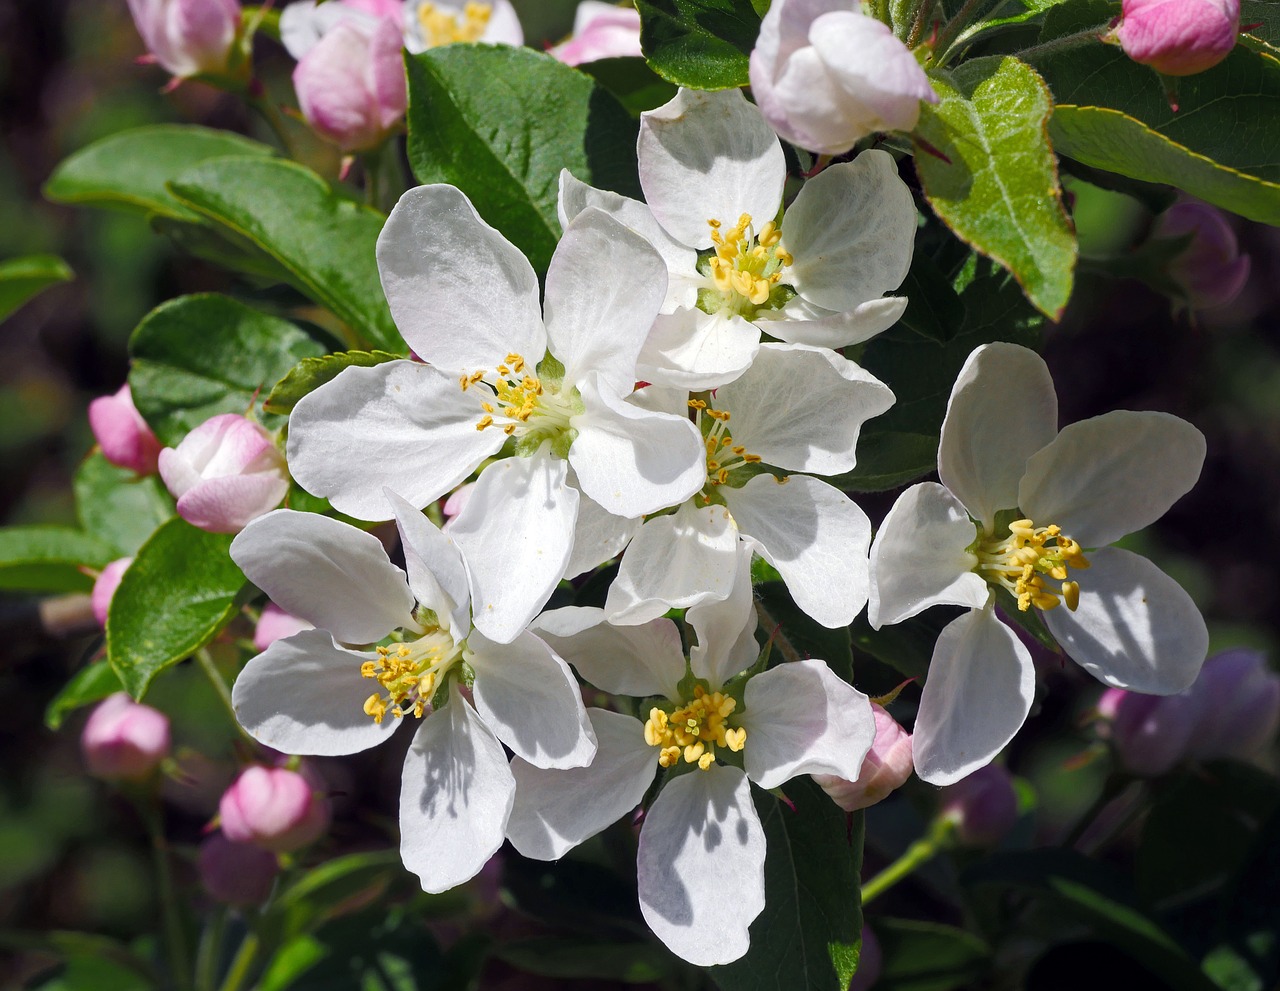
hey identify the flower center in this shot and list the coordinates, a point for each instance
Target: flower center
(723, 456)
(1029, 560)
(695, 730)
(444, 27)
(527, 407)
(408, 674)
(746, 269)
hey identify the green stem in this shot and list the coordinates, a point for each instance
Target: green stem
(947, 36)
(207, 665)
(274, 121)
(209, 952)
(373, 178)
(1066, 41)
(774, 629)
(923, 12)
(242, 964)
(916, 855)
(171, 920)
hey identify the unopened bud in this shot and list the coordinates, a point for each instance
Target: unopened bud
(122, 433)
(1241, 709)
(104, 588)
(983, 807)
(600, 31)
(236, 873)
(885, 768)
(124, 739)
(1179, 37)
(273, 807)
(1210, 270)
(1149, 733)
(188, 37)
(276, 624)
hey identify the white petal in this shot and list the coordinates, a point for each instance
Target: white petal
(646, 659)
(455, 796)
(305, 695)
(555, 810)
(437, 575)
(814, 535)
(401, 425)
(696, 350)
(462, 295)
(1002, 410)
(1102, 478)
(701, 865)
(674, 562)
(516, 534)
(531, 700)
(800, 322)
(326, 572)
(801, 719)
(851, 231)
(1135, 627)
(802, 408)
(630, 460)
(921, 557)
(598, 535)
(726, 627)
(709, 156)
(979, 690)
(504, 25)
(604, 288)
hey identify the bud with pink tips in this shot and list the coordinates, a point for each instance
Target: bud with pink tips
(1210, 270)
(276, 624)
(273, 807)
(104, 588)
(225, 473)
(600, 31)
(122, 433)
(124, 740)
(982, 807)
(1179, 37)
(188, 37)
(885, 768)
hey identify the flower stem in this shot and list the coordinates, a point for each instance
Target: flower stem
(274, 121)
(947, 36)
(1066, 41)
(209, 951)
(937, 839)
(242, 964)
(171, 920)
(774, 629)
(918, 23)
(207, 665)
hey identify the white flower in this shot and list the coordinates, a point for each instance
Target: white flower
(466, 301)
(701, 855)
(423, 24)
(796, 408)
(712, 173)
(312, 694)
(1021, 508)
(826, 75)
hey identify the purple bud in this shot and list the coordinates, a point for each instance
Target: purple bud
(122, 433)
(1241, 709)
(1179, 37)
(982, 806)
(273, 807)
(104, 588)
(123, 739)
(1210, 270)
(188, 37)
(276, 624)
(1149, 733)
(236, 873)
(886, 767)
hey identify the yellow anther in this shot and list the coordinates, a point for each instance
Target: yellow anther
(694, 751)
(668, 756)
(1027, 559)
(441, 27)
(697, 404)
(1071, 594)
(705, 761)
(485, 421)
(735, 739)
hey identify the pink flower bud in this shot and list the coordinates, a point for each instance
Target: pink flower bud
(274, 808)
(457, 500)
(601, 30)
(188, 37)
(1241, 709)
(276, 624)
(124, 739)
(122, 433)
(886, 767)
(225, 473)
(351, 84)
(982, 806)
(104, 588)
(1211, 270)
(1179, 37)
(1149, 733)
(826, 75)
(236, 873)
(870, 962)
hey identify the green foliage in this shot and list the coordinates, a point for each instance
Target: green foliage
(197, 356)
(500, 123)
(178, 594)
(118, 507)
(569, 959)
(810, 639)
(50, 558)
(810, 932)
(311, 373)
(929, 956)
(636, 86)
(22, 279)
(701, 44)
(996, 182)
(322, 239)
(90, 684)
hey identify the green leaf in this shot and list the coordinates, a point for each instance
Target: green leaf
(636, 86)
(928, 956)
(701, 44)
(130, 170)
(501, 122)
(907, 647)
(49, 558)
(311, 373)
(197, 356)
(177, 596)
(90, 684)
(569, 958)
(22, 279)
(328, 891)
(934, 309)
(996, 184)
(810, 931)
(1114, 114)
(810, 639)
(889, 458)
(323, 240)
(117, 506)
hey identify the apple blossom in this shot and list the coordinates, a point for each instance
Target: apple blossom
(420, 24)
(188, 37)
(600, 31)
(104, 588)
(712, 173)
(311, 693)
(826, 75)
(1178, 37)
(124, 739)
(122, 433)
(224, 473)
(587, 462)
(886, 768)
(1019, 506)
(273, 807)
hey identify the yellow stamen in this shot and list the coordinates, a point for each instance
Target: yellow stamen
(440, 27)
(693, 731)
(1022, 561)
(408, 673)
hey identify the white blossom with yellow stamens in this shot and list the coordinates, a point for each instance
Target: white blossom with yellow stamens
(1029, 510)
(424, 23)
(313, 693)
(709, 742)
(712, 173)
(585, 462)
